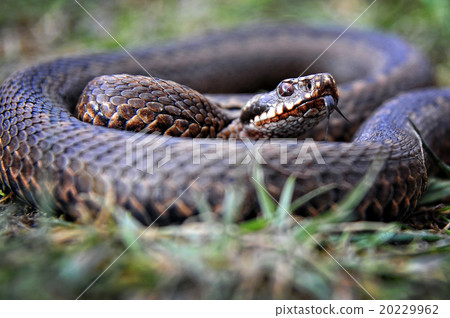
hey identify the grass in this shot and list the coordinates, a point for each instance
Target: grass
(269, 257)
(34, 30)
(274, 256)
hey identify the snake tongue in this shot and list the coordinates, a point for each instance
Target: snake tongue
(330, 104)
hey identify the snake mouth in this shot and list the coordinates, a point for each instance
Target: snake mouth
(304, 109)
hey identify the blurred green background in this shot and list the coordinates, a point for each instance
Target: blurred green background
(33, 30)
(45, 257)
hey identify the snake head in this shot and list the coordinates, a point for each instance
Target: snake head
(296, 105)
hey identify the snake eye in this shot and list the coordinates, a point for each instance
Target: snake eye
(286, 89)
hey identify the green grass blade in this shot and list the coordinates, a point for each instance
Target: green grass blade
(437, 190)
(234, 199)
(268, 206)
(444, 167)
(283, 209)
(310, 195)
(346, 206)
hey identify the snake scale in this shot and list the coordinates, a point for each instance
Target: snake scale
(55, 162)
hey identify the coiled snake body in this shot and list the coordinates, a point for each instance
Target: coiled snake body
(56, 162)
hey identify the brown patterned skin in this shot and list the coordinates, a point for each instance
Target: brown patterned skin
(135, 103)
(139, 102)
(58, 163)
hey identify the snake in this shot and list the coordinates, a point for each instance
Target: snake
(59, 161)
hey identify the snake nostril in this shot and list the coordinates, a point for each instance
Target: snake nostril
(308, 85)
